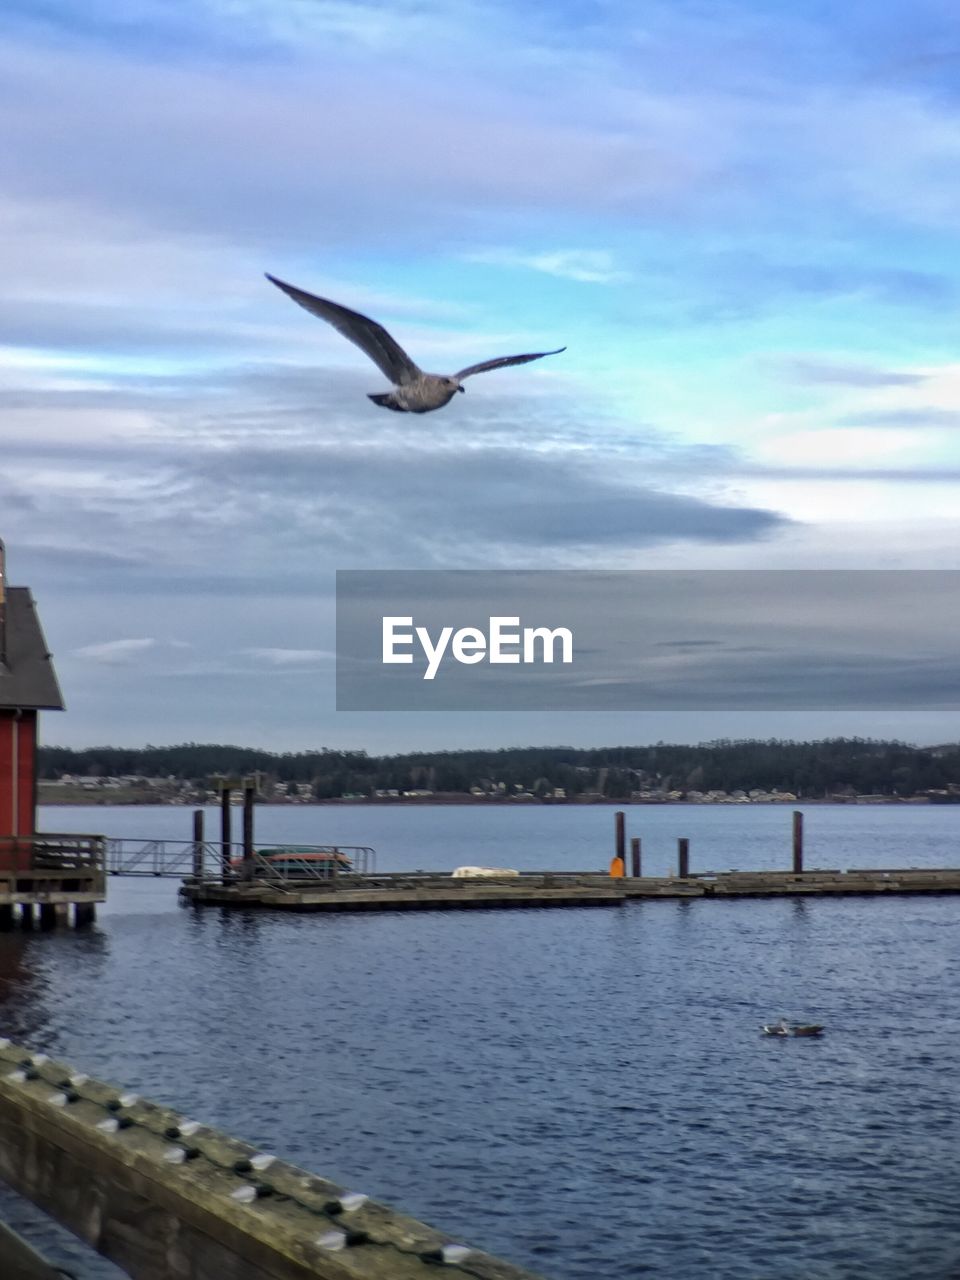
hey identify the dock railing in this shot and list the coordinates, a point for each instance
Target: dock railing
(213, 859)
(53, 851)
(68, 852)
(51, 872)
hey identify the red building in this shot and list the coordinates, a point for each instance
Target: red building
(28, 685)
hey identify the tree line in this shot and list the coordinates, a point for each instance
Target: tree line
(807, 769)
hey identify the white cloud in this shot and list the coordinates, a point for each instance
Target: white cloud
(116, 652)
(291, 657)
(587, 266)
(854, 447)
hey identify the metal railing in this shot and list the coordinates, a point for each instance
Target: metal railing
(51, 851)
(212, 859)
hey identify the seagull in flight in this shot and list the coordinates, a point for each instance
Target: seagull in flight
(413, 390)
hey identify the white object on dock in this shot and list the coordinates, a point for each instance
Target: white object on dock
(463, 873)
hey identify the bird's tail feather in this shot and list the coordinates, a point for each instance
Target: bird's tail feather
(386, 401)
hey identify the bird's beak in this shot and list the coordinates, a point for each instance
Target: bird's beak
(461, 388)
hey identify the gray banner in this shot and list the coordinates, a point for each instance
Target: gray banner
(644, 640)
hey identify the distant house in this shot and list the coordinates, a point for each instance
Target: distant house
(28, 685)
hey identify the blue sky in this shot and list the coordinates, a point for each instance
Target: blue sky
(739, 217)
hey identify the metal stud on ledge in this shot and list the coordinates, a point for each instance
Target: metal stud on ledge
(253, 1191)
(352, 1201)
(455, 1252)
(337, 1240)
(447, 1253)
(349, 1202)
(177, 1155)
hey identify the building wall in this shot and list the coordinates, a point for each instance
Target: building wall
(18, 753)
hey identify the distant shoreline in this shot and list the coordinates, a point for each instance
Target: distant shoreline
(452, 801)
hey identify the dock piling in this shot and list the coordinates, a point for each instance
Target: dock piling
(198, 844)
(620, 819)
(249, 791)
(85, 913)
(635, 857)
(225, 791)
(683, 858)
(797, 842)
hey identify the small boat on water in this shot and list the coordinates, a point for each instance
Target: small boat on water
(785, 1028)
(304, 862)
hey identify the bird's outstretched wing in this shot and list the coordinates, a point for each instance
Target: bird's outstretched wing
(502, 361)
(372, 339)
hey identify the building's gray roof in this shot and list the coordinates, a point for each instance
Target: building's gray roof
(27, 678)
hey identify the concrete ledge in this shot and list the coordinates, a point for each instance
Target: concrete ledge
(18, 1261)
(158, 1196)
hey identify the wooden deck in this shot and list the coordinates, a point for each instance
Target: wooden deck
(50, 878)
(401, 893)
(419, 892)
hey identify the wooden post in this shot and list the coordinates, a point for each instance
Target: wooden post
(635, 857)
(621, 835)
(249, 791)
(683, 858)
(225, 831)
(797, 842)
(198, 845)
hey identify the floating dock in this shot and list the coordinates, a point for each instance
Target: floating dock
(423, 891)
(409, 892)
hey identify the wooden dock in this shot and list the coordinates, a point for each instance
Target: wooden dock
(424, 891)
(49, 879)
(403, 892)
